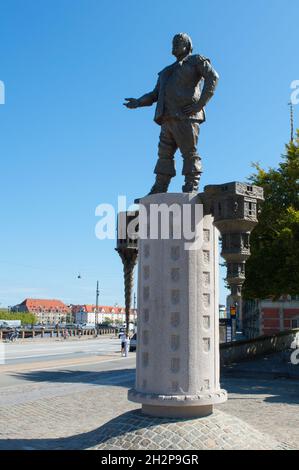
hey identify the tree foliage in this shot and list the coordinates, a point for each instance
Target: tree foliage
(273, 268)
(26, 318)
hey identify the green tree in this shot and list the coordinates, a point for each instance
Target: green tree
(273, 268)
(107, 321)
(26, 318)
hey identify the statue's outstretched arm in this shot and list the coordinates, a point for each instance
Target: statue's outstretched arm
(146, 100)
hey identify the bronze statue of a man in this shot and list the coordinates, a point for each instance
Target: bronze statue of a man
(179, 111)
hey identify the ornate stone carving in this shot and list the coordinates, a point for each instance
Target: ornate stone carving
(145, 359)
(206, 300)
(175, 319)
(206, 344)
(146, 272)
(174, 342)
(206, 256)
(206, 235)
(175, 296)
(145, 337)
(206, 322)
(175, 253)
(175, 274)
(206, 278)
(146, 314)
(146, 293)
(175, 365)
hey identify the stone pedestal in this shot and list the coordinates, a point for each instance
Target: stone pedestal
(178, 330)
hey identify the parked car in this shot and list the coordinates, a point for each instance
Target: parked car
(87, 326)
(10, 323)
(39, 326)
(71, 326)
(133, 343)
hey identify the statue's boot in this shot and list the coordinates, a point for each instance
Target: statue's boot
(191, 183)
(160, 186)
(192, 170)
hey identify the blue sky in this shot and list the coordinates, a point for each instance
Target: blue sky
(67, 144)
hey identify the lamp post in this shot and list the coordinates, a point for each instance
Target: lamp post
(235, 208)
(128, 251)
(97, 306)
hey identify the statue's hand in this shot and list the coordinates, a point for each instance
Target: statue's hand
(191, 109)
(132, 103)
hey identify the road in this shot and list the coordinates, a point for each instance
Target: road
(54, 354)
(44, 350)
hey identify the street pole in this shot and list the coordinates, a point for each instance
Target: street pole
(134, 307)
(128, 252)
(97, 305)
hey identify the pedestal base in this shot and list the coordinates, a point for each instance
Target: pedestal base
(187, 412)
(178, 406)
(178, 307)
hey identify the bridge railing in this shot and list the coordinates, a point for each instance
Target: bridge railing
(249, 349)
(55, 332)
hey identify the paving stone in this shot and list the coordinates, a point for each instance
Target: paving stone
(247, 437)
(49, 415)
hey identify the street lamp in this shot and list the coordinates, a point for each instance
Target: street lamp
(97, 306)
(127, 249)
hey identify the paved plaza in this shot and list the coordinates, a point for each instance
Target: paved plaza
(64, 407)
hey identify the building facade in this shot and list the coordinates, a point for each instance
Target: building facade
(46, 311)
(267, 317)
(115, 315)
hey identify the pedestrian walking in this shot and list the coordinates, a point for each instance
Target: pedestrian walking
(122, 343)
(127, 345)
(65, 334)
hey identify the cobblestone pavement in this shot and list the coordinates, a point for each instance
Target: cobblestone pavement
(65, 409)
(220, 431)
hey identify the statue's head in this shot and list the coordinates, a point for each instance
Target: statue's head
(181, 45)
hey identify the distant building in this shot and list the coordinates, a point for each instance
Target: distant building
(222, 312)
(267, 317)
(46, 311)
(87, 314)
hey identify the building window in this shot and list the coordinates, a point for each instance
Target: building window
(295, 323)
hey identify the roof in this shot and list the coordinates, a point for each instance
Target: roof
(44, 304)
(101, 309)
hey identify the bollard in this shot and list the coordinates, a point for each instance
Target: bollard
(23, 334)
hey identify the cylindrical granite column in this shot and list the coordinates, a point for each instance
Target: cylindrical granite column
(178, 328)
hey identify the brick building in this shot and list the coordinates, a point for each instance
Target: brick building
(267, 317)
(46, 311)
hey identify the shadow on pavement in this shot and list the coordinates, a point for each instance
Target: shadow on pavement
(109, 377)
(84, 440)
(280, 390)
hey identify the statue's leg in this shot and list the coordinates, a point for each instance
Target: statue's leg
(186, 133)
(165, 167)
